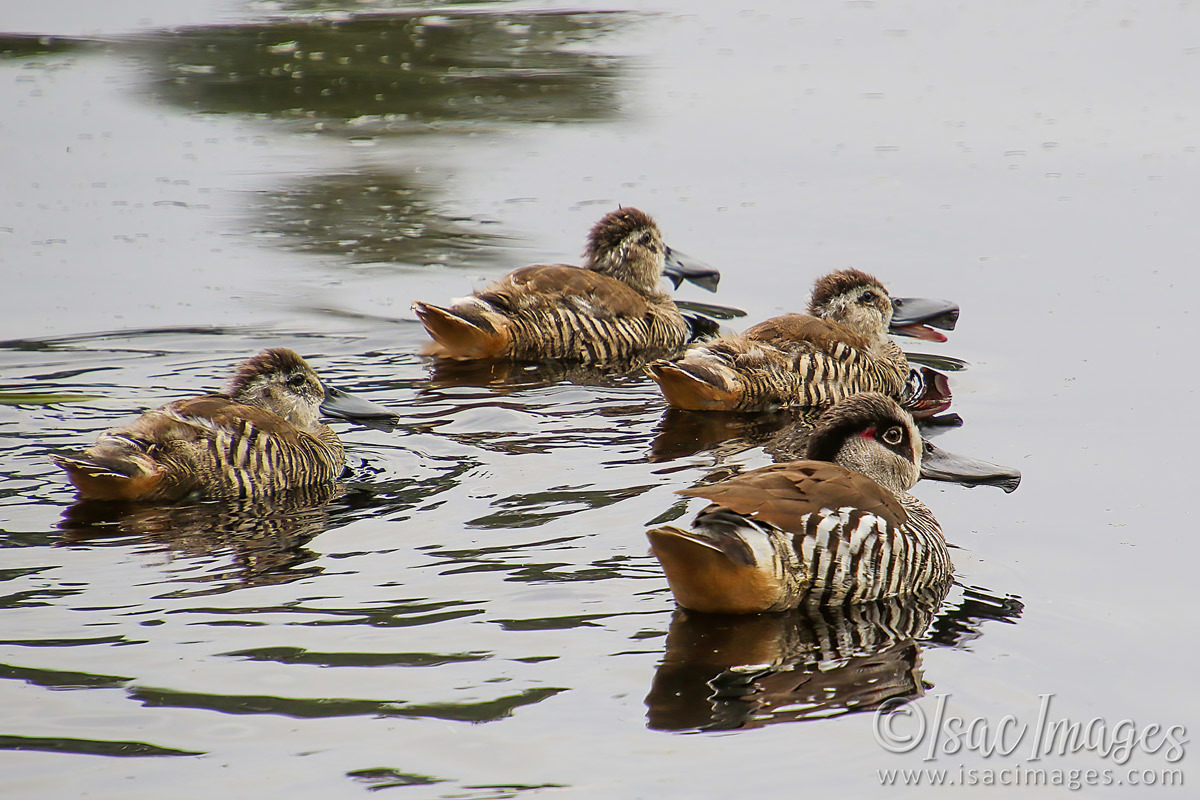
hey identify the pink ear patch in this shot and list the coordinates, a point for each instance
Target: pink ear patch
(869, 433)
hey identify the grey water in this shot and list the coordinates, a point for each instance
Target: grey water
(476, 614)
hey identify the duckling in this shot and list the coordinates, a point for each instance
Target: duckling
(260, 437)
(610, 309)
(840, 347)
(812, 531)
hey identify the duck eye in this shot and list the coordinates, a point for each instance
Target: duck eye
(646, 239)
(867, 297)
(297, 381)
(893, 435)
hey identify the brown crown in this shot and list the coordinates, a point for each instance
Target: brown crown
(273, 360)
(612, 229)
(839, 282)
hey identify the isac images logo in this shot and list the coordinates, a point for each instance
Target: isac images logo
(906, 728)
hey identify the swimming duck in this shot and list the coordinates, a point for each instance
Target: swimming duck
(611, 308)
(841, 346)
(813, 531)
(260, 437)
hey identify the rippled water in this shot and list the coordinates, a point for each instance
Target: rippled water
(475, 613)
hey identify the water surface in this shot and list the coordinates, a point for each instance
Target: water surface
(476, 613)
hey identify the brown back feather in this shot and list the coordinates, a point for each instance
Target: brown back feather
(789, 330)
(782, 494)
(552, 285)
(219, 411)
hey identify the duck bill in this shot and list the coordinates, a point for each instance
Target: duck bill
(344, 405)
(918, 316)
(928, 393)
(680, 267)
(939, 465)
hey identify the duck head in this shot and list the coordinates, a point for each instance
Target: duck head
(871, 434)
(280, 381)
(862, 303)
(626, 244)
(855, 299)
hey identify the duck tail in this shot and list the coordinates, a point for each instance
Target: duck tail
(714, 569)
(114, 469)
(697, 386)
(464, 332)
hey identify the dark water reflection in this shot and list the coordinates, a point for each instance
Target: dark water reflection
(685, 433)
(323, 707)
(512, 377)
(373, 74)
(727, 672)
(372, 218)
(20, 46)
(89, 747)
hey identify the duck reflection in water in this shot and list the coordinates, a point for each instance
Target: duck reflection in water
(264, 539)
(504, 376)
(724, 672)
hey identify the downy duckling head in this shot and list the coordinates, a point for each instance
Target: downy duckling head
(280, 381)
(854, 299)
(626, 244)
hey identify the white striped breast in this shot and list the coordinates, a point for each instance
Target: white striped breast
(854, 556)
